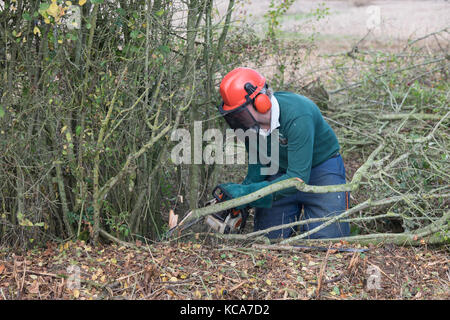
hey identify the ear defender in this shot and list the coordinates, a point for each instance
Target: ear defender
(261, 101)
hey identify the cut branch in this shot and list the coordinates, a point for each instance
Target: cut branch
(286, 184)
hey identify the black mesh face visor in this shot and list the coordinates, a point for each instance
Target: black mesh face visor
(240, 118)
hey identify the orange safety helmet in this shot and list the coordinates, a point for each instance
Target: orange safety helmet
(242, 86)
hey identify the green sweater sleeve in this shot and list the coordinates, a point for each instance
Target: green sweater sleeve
(253, 171)
(253, 174)
(300, 135)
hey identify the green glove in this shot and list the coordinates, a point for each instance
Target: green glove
(239, 190)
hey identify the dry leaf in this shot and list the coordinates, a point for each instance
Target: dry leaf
(34, 287)
(76, 293)
(53, 10)
(2, 267)
(37, 31)
(170, 292)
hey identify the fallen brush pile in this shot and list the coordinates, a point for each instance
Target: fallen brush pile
(398, 112)
(76, 270)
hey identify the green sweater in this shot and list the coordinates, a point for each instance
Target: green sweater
(310, 141)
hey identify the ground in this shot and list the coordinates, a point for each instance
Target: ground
(195, 270)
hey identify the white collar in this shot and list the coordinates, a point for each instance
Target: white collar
(274, 117)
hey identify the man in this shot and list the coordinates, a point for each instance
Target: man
(308, 149)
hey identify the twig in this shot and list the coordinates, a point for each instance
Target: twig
(24, 272)
(127, 276)
(322, 271)
(116, 240)
(44, 274)
(335, 279)
(431, 134)
(238, 286)
(425, 36)
(401, 116)
(379, 269)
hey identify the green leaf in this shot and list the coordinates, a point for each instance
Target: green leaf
(25, 222)
(164, 49)
(336, 290)
(26, 16)
(2, 112)
(78, 130)
(160, 12)
(97, 1)
(72, 36)
(44, 6)
(134, 34)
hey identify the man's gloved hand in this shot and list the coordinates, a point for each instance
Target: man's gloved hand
(238, 190)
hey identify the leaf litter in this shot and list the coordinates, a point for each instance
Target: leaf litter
(192, 270)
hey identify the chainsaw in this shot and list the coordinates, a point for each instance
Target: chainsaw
(225, 222)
